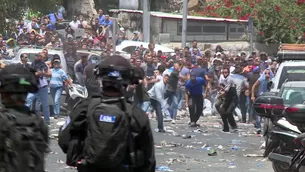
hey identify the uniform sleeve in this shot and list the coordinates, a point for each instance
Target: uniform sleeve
(44, 130)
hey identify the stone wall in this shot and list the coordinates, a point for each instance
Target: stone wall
(233, 47)
(84, 7)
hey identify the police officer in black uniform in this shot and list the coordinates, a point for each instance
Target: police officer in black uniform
(26, 132)
(75, 127)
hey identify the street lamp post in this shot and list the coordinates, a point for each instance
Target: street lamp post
(184, 22)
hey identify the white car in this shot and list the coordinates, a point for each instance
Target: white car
(292, 68)
(31, 52)
(130, 46)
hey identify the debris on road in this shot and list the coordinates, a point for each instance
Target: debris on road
(232, 164)
(234, 148)
(53, 136)
(253, 155)
(220, 147)
(60, 161)
(184, 136)
(236, 142)
(212, 152)
(163, 168)
(263, 145)
(189, 147)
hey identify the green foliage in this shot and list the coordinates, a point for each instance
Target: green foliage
(275, 20)
(12, 10)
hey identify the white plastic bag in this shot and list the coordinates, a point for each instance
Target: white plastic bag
(207, 107)
(238, 113)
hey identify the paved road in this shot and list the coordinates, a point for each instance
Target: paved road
(182, 155)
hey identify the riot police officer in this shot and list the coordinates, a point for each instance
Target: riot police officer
(23, 134)
(115, 73)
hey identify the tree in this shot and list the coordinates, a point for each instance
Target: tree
(275, 20)
(12, 10)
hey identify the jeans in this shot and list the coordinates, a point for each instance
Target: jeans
(213, 102)
(226, 113)
(196, 107)
(180, 98)
(255, 116)
(56, 94)
(242, 106)
(36, 105)
(157, 106)
(42, 94)
(173, 103)
(144, 105)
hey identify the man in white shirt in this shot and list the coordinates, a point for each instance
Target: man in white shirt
(74, 24)
(156, 94)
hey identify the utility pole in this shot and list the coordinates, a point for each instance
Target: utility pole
(250, 31)
(146, 21)
(184, 22)
(114, 34)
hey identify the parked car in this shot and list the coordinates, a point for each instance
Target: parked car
(93, 57)
(31, 52)
(130, 46)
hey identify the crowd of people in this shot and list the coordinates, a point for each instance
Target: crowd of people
(172, 83)
(96, 33)
(184, 80)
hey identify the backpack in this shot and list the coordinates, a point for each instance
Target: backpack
(108, 134)
(23, 141)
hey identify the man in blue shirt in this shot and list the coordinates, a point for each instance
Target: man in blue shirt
(107, 24)
(194, 97)
(101, 16)
(262, 84)
(201, 72)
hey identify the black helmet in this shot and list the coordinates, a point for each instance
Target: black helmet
(14, 78)
(115, 67)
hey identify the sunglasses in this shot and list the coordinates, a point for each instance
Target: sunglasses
(267, 73)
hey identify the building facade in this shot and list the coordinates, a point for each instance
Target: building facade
(167, 27)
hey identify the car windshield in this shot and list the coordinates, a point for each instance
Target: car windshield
(292, 73)
(293, 95)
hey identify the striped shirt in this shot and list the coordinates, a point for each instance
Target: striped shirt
(58, 77)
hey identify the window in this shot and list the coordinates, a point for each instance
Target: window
(214, 29)
(194, 29)
(232, 30)
(191, 29)
(31, 56)
(237, 29)
(129, 49)
(240, 30)
(201, 28)
(291, 73)
(293, 95)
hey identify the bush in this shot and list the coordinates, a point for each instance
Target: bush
(275, 20)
